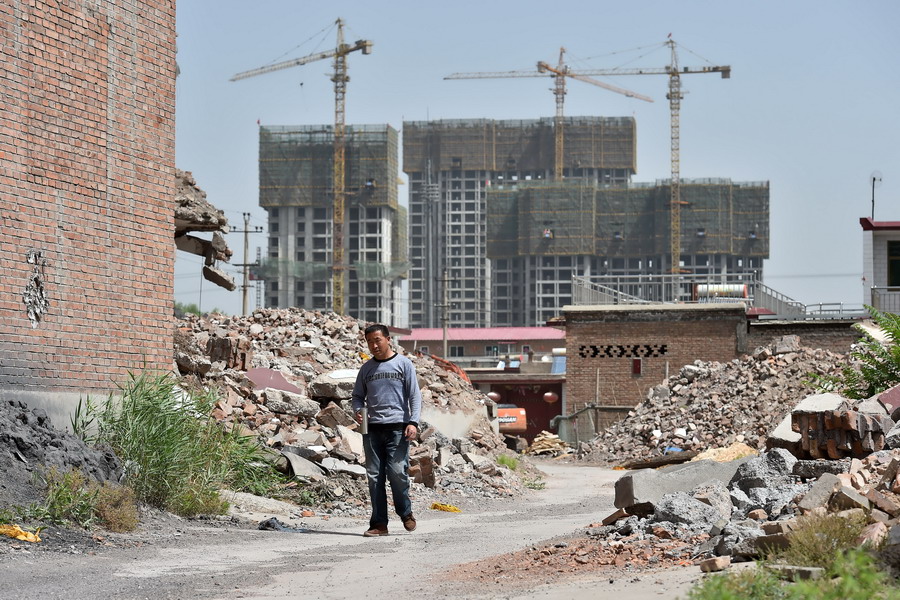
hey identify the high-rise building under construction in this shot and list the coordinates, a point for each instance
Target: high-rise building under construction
(493, 242)
(296, 166)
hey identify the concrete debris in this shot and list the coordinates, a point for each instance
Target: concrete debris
(285, 376)
(714, 405)
(833, 456)
(194, 213)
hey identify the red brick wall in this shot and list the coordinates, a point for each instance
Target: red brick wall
(601, 343)
(87, 149)
(836, 336)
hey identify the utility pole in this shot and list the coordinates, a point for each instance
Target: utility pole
(246, 266)
(444, 307)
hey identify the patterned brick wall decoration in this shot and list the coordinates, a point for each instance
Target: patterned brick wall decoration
(617, 353)
(87, 150)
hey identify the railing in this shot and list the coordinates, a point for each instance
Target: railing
(778, 303)
(682, 289)
(886, 299)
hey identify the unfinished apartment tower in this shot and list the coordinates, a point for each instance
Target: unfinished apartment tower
(452, 164)
(296, 190)
(541, 235)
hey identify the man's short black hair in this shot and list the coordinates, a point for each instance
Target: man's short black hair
(379, 328)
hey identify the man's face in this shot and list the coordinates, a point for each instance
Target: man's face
(379, 345)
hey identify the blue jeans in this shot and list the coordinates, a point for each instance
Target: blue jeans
(387, 460)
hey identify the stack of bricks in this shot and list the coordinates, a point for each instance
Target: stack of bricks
(839, 433)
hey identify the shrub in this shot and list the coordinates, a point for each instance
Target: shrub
(116, 508)
(749, 584)
(875, 366)
(818, 540)
(176, 457)
(69, 499)
(853, 576)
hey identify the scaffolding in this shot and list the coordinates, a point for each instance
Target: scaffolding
(718, 217)
(518, 145)
(296, 165)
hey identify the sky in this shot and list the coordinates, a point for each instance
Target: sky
(811, 105)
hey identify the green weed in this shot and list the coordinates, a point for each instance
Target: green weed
(534, 483)
(818, 540)
(508, 461)
(875, 366)
(176, 457)
(749, 584)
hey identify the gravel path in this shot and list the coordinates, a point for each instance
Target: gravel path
(191, 559)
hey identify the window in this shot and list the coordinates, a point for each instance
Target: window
(424, 350)
(894, 264)
(456, 351)
(491, 351)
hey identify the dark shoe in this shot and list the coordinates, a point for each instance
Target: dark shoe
(376, 531)
(409, 522)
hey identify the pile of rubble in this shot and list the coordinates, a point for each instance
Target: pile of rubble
(739, 509)
(713, 405)
(286, 375)
(30, 445)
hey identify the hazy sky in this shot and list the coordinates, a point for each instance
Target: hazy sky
(811, 105)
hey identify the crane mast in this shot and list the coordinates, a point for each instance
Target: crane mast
(339, 181)
(674, 95)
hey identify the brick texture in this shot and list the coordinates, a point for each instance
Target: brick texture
(603, 343)
(834, 335)
(87, 148)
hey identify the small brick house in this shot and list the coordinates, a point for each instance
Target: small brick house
(86, 195)
(616, 353)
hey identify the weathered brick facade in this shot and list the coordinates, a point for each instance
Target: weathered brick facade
(835, 335)
(87, 150)
(606, 345)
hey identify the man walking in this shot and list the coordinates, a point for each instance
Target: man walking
(388, 388)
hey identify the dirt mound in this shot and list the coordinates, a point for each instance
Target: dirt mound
(713, 405)
(30, 444)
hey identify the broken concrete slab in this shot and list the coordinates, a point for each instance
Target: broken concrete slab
(302, 468)
(335, 385)
(683, 509)
(353, 438)
(289, 403)
(335, 465)
(647, 486)
(820, 493)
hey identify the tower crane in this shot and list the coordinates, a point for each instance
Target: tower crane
(560, 72)
(340, 79)
(674, 95)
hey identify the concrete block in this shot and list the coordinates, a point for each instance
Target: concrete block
(714, 564)
(820, 493)
(650, 485)
(847, 498)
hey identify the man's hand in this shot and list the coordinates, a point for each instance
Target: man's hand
(411, 432)
(358, 416)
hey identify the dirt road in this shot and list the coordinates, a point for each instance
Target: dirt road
(333, 561)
